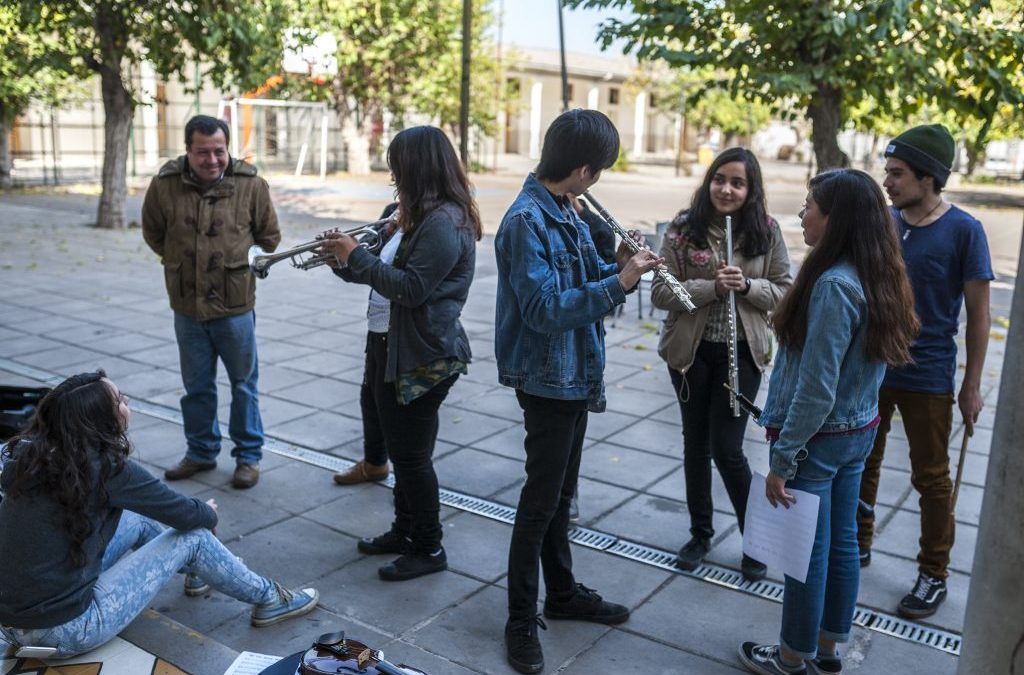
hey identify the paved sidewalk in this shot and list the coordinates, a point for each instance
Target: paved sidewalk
(75, 299)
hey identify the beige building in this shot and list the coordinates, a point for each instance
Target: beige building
(600, 83)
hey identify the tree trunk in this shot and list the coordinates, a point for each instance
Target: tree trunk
(976, 148)
(824, 112)
(5, 154)
(357, 146)
(118, 110)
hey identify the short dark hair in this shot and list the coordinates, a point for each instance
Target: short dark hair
(207, 126)
(578, 138)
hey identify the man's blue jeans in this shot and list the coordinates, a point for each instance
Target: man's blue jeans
(200, 343)
(139, 561)
(823, 606)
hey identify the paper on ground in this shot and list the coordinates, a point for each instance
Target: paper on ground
(781, 538)
(251, 663)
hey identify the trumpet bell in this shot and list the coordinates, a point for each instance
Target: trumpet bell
(258, 261)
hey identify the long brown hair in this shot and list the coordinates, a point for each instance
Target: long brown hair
(75, 423)
(751, 223)
(427, 173)
(860, 229)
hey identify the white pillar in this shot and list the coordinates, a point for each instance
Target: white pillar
(639, 123)
(593, 98)
(536, 103)
(150, 138)
(994, 622)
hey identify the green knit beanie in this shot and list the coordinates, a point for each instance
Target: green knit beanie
(928, 148)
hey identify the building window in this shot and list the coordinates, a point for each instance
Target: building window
(613, 96)
(652, 101)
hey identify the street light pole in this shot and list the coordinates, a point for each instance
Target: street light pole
(467, 44)
(561, 50)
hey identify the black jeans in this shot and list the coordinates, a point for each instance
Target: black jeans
(540, 536)
(409, 434)
(374, 449)
(711, 432)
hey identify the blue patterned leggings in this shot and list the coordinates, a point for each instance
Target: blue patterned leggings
(140, 559)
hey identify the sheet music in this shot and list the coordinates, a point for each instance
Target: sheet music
(251, 663)
(780, 538)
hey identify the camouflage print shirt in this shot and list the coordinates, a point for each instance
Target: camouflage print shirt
(417, 382)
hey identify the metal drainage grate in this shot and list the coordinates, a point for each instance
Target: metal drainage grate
(870, 619)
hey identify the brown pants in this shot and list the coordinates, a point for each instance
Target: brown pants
(928, 421)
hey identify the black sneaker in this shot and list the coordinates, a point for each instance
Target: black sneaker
(585, 605)
(753, 570)
(412, 565)
(390, 542)
(522, 648)
(765, 659)
(691, 555)
(864, 555)
(925, 599)
(825, 665)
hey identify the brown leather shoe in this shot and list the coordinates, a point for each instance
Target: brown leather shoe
(246, 475)
(362, 472)
(186, 468)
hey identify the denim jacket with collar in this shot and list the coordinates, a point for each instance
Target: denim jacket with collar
(830, 385)
(553, 290)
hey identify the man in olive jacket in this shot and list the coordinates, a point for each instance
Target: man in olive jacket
(201, 214)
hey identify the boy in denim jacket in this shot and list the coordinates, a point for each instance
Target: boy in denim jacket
(553, 290)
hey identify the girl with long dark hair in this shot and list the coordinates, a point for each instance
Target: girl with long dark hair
(415, 346)
(849, 314)
(696, 346)
(97, 554)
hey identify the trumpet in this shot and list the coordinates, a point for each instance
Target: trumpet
(260, 261)
(673, 284)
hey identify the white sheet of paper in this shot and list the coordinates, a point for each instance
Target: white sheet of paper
(781, 538)
(251, 663)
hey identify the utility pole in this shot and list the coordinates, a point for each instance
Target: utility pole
(467, 51)
(993, 640)
(561, 50)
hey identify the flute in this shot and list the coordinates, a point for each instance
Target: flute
(674, 285)
(734, 373)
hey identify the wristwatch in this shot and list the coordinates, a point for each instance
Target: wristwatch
(746, 286)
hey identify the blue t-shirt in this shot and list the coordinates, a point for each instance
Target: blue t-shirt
(940, 258)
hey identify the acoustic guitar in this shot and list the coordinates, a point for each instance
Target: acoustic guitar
(333, 654)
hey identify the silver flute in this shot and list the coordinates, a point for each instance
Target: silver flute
(734, 372)
(674, 284)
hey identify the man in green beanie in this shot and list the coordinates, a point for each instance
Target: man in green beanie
(947, 258)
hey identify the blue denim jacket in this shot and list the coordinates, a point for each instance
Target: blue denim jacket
(553, 289)
(830, 385)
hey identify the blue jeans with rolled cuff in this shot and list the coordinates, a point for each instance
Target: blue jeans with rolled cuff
(823, 605)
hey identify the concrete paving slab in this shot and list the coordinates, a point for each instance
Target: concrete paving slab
(507, 443)
(323, 393)
(241, 512)
(363, 510)
(115, 368)
(597, 499)
(487, 400)
(624, 466)
(274, 378)
(478, 473)
(477, 547)
(275, 411)
(117, 343)
(20, 345)
(621, 652)
(296, 551)
(905, 528)
(651, 436)
(321, 430)
(465, 427)
(321, 363)
(349, 591)
(888, 579)
(689, 615)
(655, 521)
(280, 639)
(474, 633)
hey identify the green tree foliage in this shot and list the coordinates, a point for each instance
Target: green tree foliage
(397, 56)
(820, 57)
(27, 73)
(239, 42)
